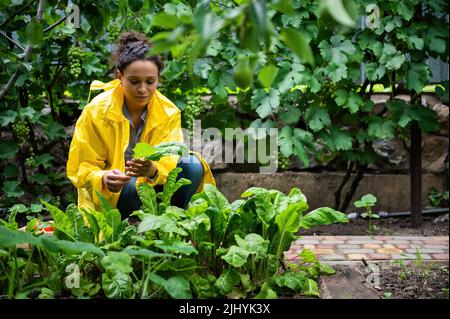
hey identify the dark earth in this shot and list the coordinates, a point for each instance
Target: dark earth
(414, 281)
(407, 280)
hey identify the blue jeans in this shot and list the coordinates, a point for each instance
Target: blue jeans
(192, 170)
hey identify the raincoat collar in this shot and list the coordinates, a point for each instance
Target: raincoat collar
(114, 108)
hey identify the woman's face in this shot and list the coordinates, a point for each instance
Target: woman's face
(139, 81)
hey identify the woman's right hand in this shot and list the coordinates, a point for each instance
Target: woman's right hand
(114, 180)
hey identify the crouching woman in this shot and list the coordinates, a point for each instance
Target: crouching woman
(130, 110)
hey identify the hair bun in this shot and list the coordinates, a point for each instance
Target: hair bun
(130, 37)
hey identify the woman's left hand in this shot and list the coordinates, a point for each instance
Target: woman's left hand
(140, 168)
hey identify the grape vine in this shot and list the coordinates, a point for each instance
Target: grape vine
(30, 162)
(21, 131)
(113, 31)
(283, 162)
(195, 106)
(75, 59)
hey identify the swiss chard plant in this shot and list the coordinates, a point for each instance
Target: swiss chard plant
(239, 246)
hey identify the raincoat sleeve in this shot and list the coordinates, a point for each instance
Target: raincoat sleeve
(87, 156)
(171, 132)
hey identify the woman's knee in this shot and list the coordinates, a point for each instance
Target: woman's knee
(191, 165)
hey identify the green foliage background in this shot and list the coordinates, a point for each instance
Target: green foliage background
(293, 65)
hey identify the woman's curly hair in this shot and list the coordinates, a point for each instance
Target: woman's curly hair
(134, 46)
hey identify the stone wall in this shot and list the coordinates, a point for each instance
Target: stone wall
(393, 154)
(392, 191)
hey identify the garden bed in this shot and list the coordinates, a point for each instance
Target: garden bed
(414, 281)
(408, 280)
(397, 226)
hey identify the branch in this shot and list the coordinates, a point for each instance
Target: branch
(56, 23)
(15, 76)
(12, 41)
(337, 194)
(353, 187)
(16, 13)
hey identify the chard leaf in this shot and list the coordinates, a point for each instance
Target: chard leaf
(288, 222)
(204, 287)
(142, 252)
(184, 267)
(194, 222)
(117, 262)
(236, 256)
(227, 281)
(292, 280)
(218, 225)
(170, 187)
(142, 150)
(217, 199)
(254, 244)
(264, 208)
(10, 238)
(327, 269)
(289, 219)
(197, 207)
(164, 223)
(81, 232)
(147, 195)
(310, 288)
(106, 206)
(155, 153)
(296, 196)
(175, 246)
(253, 191)
(247, 282)
(70, 247)
(177, 287)
(86, 288)
(280, 203)
(266, 292)
(111, 224)
(93, 224)
(62, 221)
(118, 285)
(323, 216)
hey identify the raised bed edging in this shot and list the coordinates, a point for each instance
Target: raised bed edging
(392, 190)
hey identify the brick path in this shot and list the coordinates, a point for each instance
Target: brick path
(337, 249)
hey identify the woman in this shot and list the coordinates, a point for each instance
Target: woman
(131, 110)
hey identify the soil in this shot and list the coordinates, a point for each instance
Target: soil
(393, 226)
(408, 280)
(414, 281)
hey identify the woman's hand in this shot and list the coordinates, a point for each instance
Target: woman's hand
(140, 168)
(114, 180)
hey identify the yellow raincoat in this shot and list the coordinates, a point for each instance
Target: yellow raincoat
(101, 137)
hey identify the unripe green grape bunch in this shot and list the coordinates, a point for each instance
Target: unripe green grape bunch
(283, 162)
(30, 162)
(194, 108)
(21, 131)
(75, 59)
(113, 31)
